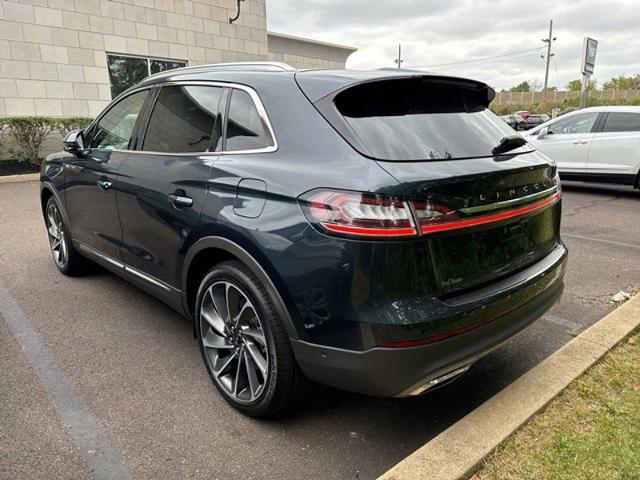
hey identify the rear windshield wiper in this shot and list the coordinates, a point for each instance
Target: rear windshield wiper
(508, 143)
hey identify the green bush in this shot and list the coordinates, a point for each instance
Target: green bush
(25, 135)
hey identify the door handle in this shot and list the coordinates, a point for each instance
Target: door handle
(72, 168)
(104, 184)
(179, 199)
(580, 142)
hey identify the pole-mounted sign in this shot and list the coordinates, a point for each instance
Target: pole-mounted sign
(589, 47)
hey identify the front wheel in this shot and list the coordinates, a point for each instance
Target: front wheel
(65, 256)
(243, 343)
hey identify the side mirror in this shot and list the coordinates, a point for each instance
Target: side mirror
(543, 132)
(74, 143)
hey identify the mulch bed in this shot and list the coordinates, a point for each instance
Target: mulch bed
(14, 167)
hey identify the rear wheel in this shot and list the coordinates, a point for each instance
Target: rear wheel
(65, 256)
(243, 343)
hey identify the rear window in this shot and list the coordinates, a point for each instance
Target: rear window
(622, 122)
(421, 119)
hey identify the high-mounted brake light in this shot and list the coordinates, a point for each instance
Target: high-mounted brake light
(359, 214)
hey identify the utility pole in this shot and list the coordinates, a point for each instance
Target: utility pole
(547, 57)
(399, 60)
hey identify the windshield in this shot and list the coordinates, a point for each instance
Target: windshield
(415, 119)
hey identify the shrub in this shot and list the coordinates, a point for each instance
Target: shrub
(27, 134)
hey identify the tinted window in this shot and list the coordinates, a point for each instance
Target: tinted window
(157, 66)
(113, 131)
(414, 119)
(581, 123)
(246, 130)
(622, 122)
(183, 120)
(125, 72)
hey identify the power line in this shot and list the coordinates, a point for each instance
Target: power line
(484, 62)
(537, 49)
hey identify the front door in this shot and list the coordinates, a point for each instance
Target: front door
(90, 180)
(568, 142)
(162, 187)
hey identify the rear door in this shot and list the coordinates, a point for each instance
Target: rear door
(90, 181)
(615, 150)
(568, 141)
(162, 185)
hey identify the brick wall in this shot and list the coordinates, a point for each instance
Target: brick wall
(53, 52)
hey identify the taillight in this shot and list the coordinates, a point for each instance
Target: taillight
(360, 214)
(373, 215)
(450, 221)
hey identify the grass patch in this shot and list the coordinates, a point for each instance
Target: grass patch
(591, 431)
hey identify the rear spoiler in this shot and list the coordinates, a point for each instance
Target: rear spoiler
(319, 84)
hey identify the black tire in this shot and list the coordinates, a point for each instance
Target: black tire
(283, 383)
(69, 261)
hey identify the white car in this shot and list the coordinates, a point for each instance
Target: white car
(593, 144)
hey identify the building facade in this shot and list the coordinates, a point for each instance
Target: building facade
(306, 53)
(70, 57)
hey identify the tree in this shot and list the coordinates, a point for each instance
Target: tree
(521, 87)
(623, 82)
(576, 85)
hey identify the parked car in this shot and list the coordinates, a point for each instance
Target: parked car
(595, 144)
(514, 121)
(323, 225)
(533, 121)
(523, 113)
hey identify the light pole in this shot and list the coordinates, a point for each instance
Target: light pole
(399, 60)
(547, 57)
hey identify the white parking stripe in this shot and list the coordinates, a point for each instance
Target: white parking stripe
(594, 239)
(85, 430)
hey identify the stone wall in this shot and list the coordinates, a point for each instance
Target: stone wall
(53, 52)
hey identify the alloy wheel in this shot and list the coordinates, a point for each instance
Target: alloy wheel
(234, 342)
(57, 238)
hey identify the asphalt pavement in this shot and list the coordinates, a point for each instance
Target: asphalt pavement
(131, 365)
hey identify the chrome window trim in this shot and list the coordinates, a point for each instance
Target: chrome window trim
(509, 203)
(204, 83)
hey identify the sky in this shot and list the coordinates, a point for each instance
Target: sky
(457, 36)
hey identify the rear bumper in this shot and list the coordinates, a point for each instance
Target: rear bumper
(397, 372)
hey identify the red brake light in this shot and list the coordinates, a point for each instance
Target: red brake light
(359, 214)
(450, 221)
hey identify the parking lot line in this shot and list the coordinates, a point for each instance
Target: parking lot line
(594, 239)
(103, 458)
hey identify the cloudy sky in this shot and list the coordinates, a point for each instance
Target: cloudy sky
(442, 34)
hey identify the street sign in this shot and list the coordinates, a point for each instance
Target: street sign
(589, 47)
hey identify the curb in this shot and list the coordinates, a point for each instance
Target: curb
(459, 451)
(28, 177)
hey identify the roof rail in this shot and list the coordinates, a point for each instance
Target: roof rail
(266, 66)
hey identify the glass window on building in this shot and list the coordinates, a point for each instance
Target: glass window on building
(126, 71)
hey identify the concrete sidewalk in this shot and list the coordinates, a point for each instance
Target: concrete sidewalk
(459, 451)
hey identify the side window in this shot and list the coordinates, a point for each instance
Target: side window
(246, 129)
(183, 120)
(581, 123)
(622, 122)
(114, 129)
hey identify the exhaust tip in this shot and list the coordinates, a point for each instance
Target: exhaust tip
(440, 380)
